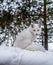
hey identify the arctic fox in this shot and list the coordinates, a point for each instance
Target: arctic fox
(27, 36)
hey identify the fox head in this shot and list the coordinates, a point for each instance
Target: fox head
(35, 28)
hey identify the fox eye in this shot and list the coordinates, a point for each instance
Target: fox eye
(34, 30)
(38, 30)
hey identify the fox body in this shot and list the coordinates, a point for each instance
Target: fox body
(27, 36)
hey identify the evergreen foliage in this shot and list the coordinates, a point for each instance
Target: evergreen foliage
(16, 15)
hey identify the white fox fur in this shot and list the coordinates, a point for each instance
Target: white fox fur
(35, 47)
(27, 36)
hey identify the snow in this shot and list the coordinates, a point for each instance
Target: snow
(50, 46)
(17, 56)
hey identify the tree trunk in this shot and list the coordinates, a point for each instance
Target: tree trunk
(45, 27)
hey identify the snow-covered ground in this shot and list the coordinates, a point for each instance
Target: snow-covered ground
(17, 56)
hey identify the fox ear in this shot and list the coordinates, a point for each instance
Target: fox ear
(32, 25)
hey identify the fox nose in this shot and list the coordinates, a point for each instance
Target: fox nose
(36, 34)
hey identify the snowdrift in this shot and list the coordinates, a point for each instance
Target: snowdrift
(17, 56)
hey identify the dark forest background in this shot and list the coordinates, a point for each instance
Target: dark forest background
(16, 15)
